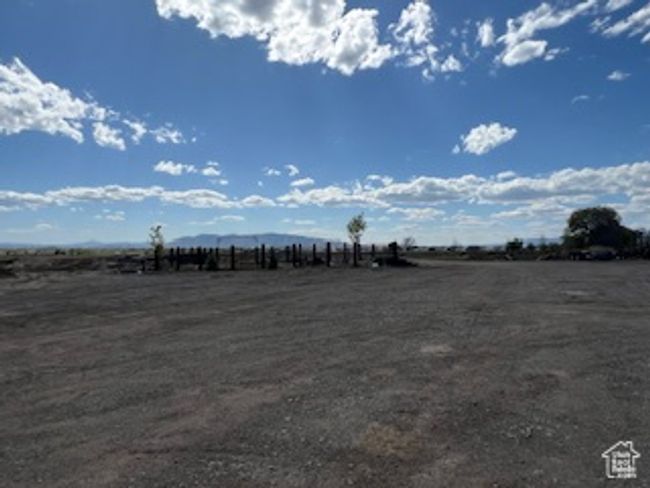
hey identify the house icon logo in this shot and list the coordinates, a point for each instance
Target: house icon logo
(621, 460)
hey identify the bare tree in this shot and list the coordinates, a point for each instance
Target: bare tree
(408, 243)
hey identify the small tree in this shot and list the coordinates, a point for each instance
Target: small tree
(543, 246)
(211, 263)
(356, 228)
(408, 243)
(514, 246)
(157, 244)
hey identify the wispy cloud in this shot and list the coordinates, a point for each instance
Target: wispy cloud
(302, 182)
(580, 98)
(110, 215)
(173, 168)
(292, 169)
(618, 76)
(521, 44)
(219, 219)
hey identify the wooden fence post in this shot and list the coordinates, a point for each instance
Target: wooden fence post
(328, 255)
(355, 254)
(394, 249)
(293, 255)
(300, 255)
(178, 259)
(232, 258)
(313, 255)
(263, 256)
(257, 256)
(287, 254)
(373, 251)
(345, 253)
(199, 257)
(215, 253)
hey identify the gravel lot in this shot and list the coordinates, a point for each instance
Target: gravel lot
(456, 374)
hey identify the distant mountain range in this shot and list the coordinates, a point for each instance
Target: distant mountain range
(539, 241)
(214, 240)
(75, 245)
(202, 240)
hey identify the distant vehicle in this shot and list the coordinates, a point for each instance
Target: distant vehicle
(473, 249)
(601, 253)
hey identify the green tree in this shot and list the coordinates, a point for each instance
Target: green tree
(356, 227)
(157, 244)
(514, 246)
(597, 226)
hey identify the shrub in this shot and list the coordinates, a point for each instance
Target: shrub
(211, 263)
(273, 260)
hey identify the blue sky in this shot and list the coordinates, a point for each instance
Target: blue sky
(462, 121)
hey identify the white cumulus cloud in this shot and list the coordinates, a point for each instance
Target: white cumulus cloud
(293, 32)
(138, 130)
(167, 135)
(451, 64)
(523, 52)
(486, 137)
(211, 169)
(29, 104)
(107, 136)
(413, 35)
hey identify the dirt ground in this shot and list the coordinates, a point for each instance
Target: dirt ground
(458, 374)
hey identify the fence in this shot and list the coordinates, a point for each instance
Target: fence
(266, 257)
